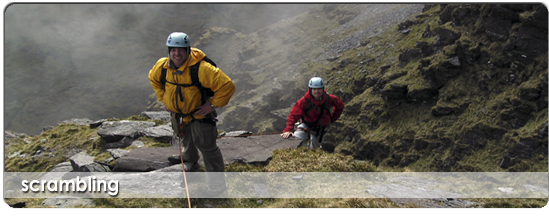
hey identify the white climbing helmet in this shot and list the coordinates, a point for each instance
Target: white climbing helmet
(316, 82)
(178, 39)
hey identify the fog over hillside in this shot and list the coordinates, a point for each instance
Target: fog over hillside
(65, 61)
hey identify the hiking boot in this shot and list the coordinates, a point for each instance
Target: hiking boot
(174, 159)
(190, 166)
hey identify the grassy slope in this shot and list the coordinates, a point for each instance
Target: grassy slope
(395, 123)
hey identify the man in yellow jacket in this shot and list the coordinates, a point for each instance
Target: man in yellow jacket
(193, 117)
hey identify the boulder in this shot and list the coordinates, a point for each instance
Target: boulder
(58, 171)
(9, 135)
(82, 162)
(161, 133)
(145, 159)
(160, 115)
(79, 160)
(97, 123)
(117, 153)
(81, 122)
(114, 131)
(123, 143)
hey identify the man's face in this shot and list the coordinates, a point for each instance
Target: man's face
(178, 56)
(317, 93)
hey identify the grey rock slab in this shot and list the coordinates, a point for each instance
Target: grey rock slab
(58, 171)
(96, 167)
(161, 115)
(113, 131)
(80, 160)
(68, 202)
(145, 159)
(161, 133)
(9, 135)
(117, 153)
(97, 123)
(81, 122)
(62, 167)
(123, 143)
(236, 133)
(253, 149)
(172, 168)
(138, 144)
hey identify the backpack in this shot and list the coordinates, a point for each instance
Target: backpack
(206, 92)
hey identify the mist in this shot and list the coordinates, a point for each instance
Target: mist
(64, 61)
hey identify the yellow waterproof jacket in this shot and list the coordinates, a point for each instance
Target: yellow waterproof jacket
(208, 75)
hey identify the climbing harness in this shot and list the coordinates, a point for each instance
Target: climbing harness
(205, 92)
(320, 130)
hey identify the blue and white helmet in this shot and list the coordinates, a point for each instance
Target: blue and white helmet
(316, 82)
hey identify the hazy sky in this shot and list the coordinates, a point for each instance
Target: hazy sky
(64, 61)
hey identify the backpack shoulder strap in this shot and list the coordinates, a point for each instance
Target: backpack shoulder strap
(327, 103)
(209, 61)
(310, 106)
(163, 74)
(194, 71)
(194, 75)
(206, 92)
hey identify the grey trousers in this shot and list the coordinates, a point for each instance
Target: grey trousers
(309, 138)
(199, 136)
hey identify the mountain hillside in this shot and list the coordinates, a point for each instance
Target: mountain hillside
(436, 87)
(451, 88)
(443, 87)
(457, 88)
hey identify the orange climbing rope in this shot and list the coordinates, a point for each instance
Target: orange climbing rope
(181, 126)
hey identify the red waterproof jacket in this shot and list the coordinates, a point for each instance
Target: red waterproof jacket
(299, 111)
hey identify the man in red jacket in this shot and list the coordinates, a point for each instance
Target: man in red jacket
(315, 112)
